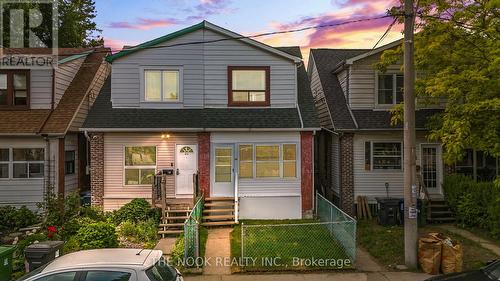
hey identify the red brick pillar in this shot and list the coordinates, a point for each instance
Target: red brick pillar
(347, 174)
(204, 163)
(97, 169)
(306, 175)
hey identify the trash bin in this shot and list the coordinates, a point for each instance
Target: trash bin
(421, 215)
(388, 210)
(6, 262)
(41, 253)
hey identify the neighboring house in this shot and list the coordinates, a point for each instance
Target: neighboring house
(236, 112)
(40, 113)
(360, 152)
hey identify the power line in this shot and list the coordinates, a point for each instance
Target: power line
(385, 33)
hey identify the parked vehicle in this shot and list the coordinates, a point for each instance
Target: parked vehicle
(107, 264)
(487, 273)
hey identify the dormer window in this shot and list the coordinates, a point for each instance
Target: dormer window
(390, 89)
(248, 86)
(14, 88)
(162, 85)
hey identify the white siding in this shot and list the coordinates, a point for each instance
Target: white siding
(204, 68)
(64, 75)
(372, 183)
(115, 192)
(40, 88)
(19, 192)
(270, 208)
(261, 187)
(71, 181)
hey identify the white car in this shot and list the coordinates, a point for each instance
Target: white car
(107, 265)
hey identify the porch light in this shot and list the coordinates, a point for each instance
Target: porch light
(165, 136)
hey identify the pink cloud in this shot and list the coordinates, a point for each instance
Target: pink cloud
(117, 45)
(143, 23)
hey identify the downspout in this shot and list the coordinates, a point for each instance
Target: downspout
(87, 168)
(47, 163)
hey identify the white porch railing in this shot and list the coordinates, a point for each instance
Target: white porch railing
(236, 197)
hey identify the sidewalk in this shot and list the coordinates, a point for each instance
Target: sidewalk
(495, 248)
(379, 276)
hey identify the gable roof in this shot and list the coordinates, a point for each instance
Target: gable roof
(201, 25)
(374, 51)
(103, 117)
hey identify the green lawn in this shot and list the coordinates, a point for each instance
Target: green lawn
(386, 244)
(291, 247)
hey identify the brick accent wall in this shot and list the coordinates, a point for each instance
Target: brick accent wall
(306, 175)
(204, 163)
(347, 173)
(97, 169)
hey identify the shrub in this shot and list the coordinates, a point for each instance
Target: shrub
(97, 235)
(13, 218)
(72, 226)
(58, 209)
(177, 255)
(136, 210)
(140, 232)
(474, 203)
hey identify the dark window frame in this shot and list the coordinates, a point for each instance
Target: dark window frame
(267, 91)
(10, 89)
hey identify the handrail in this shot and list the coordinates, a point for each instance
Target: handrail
(236, 197)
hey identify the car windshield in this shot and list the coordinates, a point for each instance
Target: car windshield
(33, 272)
(161, 271)
(493, 270)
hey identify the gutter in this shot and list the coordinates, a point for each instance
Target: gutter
(131, 130)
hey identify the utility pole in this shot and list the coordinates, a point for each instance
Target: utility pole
(410, 189)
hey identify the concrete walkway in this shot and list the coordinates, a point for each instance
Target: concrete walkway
(490, 245)
(379, 276)
(217, 252)
(365, 262)
(166, 245)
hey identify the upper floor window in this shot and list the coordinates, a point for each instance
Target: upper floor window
(248, 85)
(14, 88)
(161, 85)
(390, 89)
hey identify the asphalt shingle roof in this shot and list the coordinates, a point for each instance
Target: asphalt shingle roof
(378, 119)
(104, 116)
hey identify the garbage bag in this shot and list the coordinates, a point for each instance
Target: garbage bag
(429, 253)
(451, 256)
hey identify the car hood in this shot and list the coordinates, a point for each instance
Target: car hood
(476, 275)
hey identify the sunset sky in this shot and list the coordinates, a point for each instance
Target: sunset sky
(126, 22)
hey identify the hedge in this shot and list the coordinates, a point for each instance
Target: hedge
(475, 204)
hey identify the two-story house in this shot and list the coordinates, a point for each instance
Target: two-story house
(205, 101)
(362, 153)
(41, 111)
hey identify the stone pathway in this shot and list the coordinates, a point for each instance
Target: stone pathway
(217, 252)
(490, 245)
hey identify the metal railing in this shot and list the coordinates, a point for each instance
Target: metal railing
(236, 197)
(192, 231)
(344, 229)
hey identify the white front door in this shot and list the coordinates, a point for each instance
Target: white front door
(186, 164)
(431, 167)
(223, 183)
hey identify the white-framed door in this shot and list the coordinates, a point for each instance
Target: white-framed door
(431, 166)
(223, 171)
(186, 165)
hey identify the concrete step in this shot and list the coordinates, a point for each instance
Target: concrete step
(218, 210)
(441, 213)
(444, 219)
(218, 223)
(219, 217)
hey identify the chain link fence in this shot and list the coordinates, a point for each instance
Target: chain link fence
(192, 231)
(329, 242)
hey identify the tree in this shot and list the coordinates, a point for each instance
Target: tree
(76, 26)
(457, 58)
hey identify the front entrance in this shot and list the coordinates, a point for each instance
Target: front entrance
(186, 163)
(223, 184)
(431, 167)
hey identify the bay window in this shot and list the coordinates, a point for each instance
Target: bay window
(140, 165)
(389, 89)
(383, 156)
(162, 85)
(14, 88)
(267, 161)
(248, 86)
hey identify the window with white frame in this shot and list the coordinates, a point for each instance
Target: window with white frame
(267, 161)
(27, 162)
(162, 85)
(390, 89)
(4, 163)
(140, 165)
(383, 156)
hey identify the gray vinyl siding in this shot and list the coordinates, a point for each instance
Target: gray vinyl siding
(204, 69)
(319, 96)
(88, 101)
(335, 163)
(71, 181)
(342, 76)
(115, 192)
(371, 183)
(40, 88)
(64, 75)
(21, 192)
